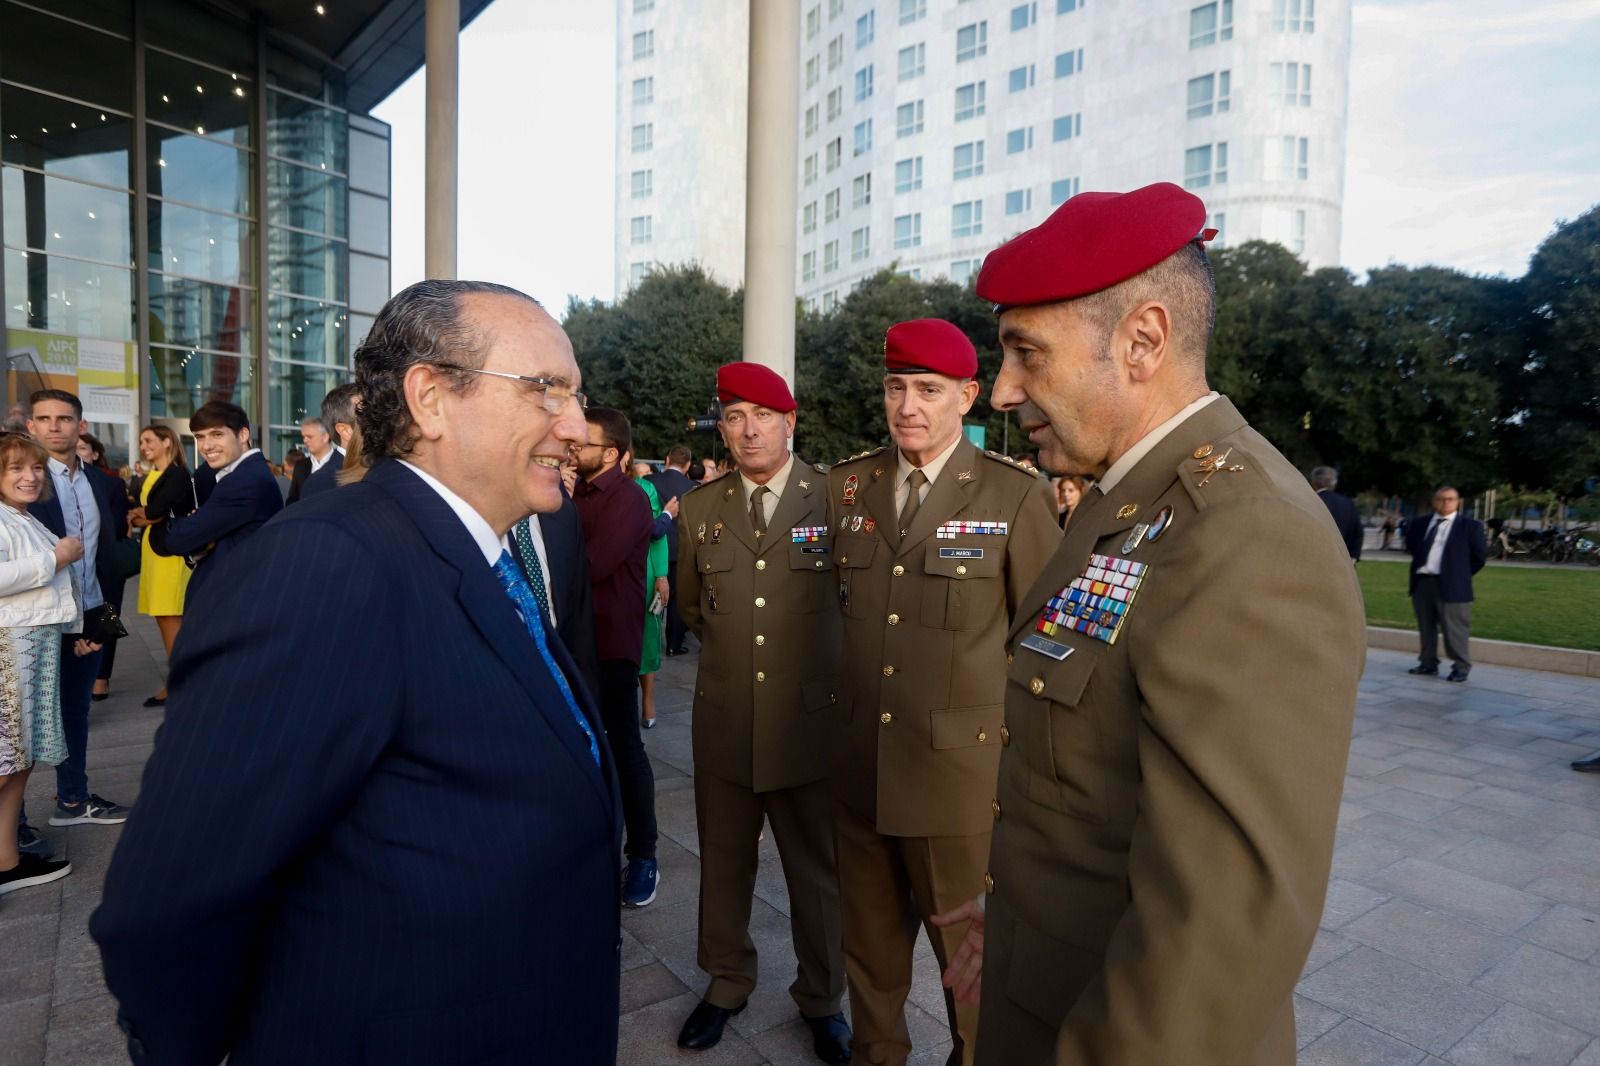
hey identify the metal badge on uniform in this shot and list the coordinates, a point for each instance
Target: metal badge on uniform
(855, 523)
(1045, 646)
(716, 533)
(805, 485)
(869, 525)
(1213, 465)
(1127, 510)
(851, 485)
(961, 553)
(700, 534)
(1134, 537)
(1097, 601)
(1162, 523)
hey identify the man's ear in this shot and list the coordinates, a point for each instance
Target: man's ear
(425, 397)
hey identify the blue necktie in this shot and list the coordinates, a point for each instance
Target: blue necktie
(516, 586)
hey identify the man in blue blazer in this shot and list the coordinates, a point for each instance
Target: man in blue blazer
(404, 850)
(245, 496)
(1447, 548)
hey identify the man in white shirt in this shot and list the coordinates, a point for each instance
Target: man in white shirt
(1447, 548)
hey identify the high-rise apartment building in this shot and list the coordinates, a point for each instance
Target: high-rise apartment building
(933, 130)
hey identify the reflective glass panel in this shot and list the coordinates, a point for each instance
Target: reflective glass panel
(201, 244)
(198, 99)
(66, 217)
(305, 199)
(369, 282)
(107, 14)
(297, 391)
(199, 315)
(68, 296)
(305, 265)
(307, 133)
(198, 30)
(369, 224)
(65, 138)
(181, 379)
(369, 163)
(66, 58)
(358, 328)
(307, 330)
(198, 171)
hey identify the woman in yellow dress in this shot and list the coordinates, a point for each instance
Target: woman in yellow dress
(168, 491)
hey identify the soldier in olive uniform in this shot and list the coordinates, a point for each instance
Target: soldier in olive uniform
(755, 580)
(1183, 676)
(935, 543)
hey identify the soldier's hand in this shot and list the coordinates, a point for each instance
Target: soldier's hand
(965, 973)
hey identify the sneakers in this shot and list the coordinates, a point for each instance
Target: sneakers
(32, 870)
(96, 810)
(32, 842)
(639, 883)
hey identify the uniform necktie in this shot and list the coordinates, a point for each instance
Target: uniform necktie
(523, 535)
(914, 485)
(522, 597)
(758, 513)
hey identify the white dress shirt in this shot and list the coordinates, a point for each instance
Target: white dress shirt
(769, 502)
(231, 467)
(931, 470)
(1441, 526)
(1130, 458)
(318, 464)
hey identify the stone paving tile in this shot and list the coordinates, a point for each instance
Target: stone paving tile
(1312, 1019)
(1399, 999)
(1352, 1044)
(1550, 984)
(1514, 1034)
(1572, 932)
(1590, 1055)
(1435, 941)
(1491, 905)
(85, 1033)
(23, 1025)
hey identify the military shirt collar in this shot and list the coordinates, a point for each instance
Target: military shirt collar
(930, 469)
(1147, 443)
(779, 482)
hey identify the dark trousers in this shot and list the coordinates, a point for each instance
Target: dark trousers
(108, 654)
(1434, 614)
(676, 630)
(619, 714)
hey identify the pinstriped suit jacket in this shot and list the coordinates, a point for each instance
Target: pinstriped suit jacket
(401, 854)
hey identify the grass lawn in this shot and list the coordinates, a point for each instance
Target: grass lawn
(1533, 605)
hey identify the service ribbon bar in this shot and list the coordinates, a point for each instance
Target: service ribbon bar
(1096, 603)
(807, 534)
(951, 530)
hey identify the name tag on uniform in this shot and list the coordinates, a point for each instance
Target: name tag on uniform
(1045, 646)
(961, 553)
(951, 530)
(817, 549)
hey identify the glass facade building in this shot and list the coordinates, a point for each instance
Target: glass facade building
(190, 212)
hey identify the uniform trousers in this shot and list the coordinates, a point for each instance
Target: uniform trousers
(728, 817)
(888, 886)
(1434, 614)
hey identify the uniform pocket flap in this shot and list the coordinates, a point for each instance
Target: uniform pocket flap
(713, 558)
(855, 552)
(1046, 975)
(1045, 677)
(966, 727)
(817, 694)
(816, 556)
(962, 563)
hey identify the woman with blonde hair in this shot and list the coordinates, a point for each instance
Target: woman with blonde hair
(167, 492)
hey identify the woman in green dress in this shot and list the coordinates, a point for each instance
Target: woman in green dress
(655, 592)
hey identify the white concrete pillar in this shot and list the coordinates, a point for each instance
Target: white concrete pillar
(442, 34)
(770, 178)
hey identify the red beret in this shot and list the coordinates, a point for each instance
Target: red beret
(753, 383)
(1091, 242)
(929, 346)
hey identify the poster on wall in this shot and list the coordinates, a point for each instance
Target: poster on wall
(100, 373)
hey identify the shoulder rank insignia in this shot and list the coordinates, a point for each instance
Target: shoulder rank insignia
(1211, 465)
(1202, 451)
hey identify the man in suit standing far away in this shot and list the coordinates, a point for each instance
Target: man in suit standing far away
(406, 853)
(1346, 517)
(1446, 548)
(671, 483)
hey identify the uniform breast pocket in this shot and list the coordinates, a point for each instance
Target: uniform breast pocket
(713, 561)
(1056, 732)
(963, 586)
(813, 573)
(853, 556)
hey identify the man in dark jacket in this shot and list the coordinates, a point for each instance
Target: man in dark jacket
(670, 485)
(1325, 479)
(1447, 548)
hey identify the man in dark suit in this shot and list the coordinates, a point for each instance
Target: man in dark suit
(1446, 548)
(670, 485)
(404, 853)
(1325, 479)
(550, 549)
(244, 497)
(316, 472)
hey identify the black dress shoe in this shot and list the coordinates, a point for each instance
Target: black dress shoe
(830, 1038)
(704, 1026)
(156, 701)
(1591, 765)
(1457, 676)
(1426, 671)
(98, 696)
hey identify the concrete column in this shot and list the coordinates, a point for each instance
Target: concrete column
(443, 50)
(770, 178)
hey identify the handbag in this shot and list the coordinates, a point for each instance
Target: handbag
(102, 625)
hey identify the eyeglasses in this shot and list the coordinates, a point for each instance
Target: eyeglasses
(556, 393)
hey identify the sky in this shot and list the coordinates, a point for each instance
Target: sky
(1472, 133)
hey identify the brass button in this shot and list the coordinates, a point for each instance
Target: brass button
(761, 675)
(708, 568)
(1005, 737)
(833, 697)
(702, 692)
(1009, 657)
(888, 671)
(885, 717)
(982, 736)
(994, 805)
(1036, 686)
(760, 640)
(761, 601)
(894, 619)
(988, 884)
(817, 564)
(761, 564)
(899, 570)
(844, 560)
(961, 568)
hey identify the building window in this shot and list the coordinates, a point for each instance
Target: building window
(1205, 165)
(1066, 127)
(968, 160)
(1062, 191)
(836, 52)
(1287, 159)
(1018, 201)
(866, 29)
(1065, 7)
(811, 120)
(835, 103)
(637, 272)
(644, 136)
(641, 6)
(830, 206)
(830, 257)
(813, 71)
(1293, 16)
(864, 82)
(908, 230)
(835, 9)
(1291, 84)
(1219, 222)
(641, 183)
(830, 300)
(644, 44)
(811, 168)
(833, 155)
(808, 266)
(908, 174)
(813, 22)
(966, 219)
(1297, 233)
(808, 218)
(913, 61)
(972, 41)
(1020, 78)
(860, 244)
(912, 10)
(1209, 93)
(861, 191)
(961, 270)
(970, 101)
(1069, 63)
(1019, 140)
(644, 91)
(1210, 23)
(863, 137)
(908, 119)
(1023, 16)
(639, 228)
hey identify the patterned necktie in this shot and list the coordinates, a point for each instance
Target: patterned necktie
(914, 485)
(758, 513)
(523, 535)
(522, 596)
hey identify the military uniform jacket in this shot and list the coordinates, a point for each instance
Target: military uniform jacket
(769, 636)
(1166, 803)
(923, 677)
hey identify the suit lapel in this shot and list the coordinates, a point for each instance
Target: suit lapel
(793, 506)
(948, 496)
(876, 498)
(730, 511)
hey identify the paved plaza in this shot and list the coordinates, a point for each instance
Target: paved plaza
(1462, 923)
